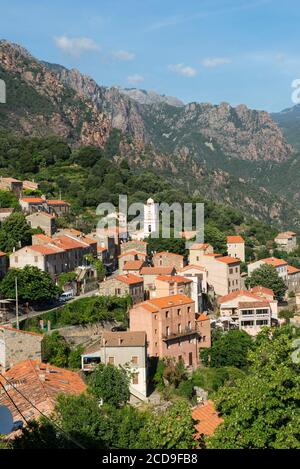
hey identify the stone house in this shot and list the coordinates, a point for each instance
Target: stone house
(168, 259)
(133, 267)
(125, 349)
(17, 345)
(30, 205)
(58, 207)
(167, 285)
(47, 258)
(170, 327)
(279, 264)
(5, 213)
(236, 247)
(123, 285)
(43, 220)
(11, 184)
(127, 256)
(149, 275)
(293, 278)
(286, 241)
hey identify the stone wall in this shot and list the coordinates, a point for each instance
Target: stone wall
(16, 346)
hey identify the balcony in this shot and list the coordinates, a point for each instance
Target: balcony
(176, 335)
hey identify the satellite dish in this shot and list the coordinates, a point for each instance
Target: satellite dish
(6, 420)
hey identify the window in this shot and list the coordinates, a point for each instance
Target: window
(155, 345)
(179, 328)
(189, 309)
(179, 312)
(155, 317)
(190, 325)
(118, 291)
(204, 338)
(167, 314)
(236, 269)
(167, 331)
(155, 332)
(197, 258)
(36, 259)
(135, 360)
(135, 378)
(111, 360)
(231, 271)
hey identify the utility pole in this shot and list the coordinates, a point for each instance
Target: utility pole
(17, 303)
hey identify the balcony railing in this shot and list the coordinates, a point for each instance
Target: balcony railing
(185, 332)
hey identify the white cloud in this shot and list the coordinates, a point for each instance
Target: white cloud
(124, 55)
(215, 62)
(184, 70)
(134, 79)
(76, 46)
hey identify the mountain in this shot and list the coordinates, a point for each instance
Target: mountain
(232, 155)
(150, 97)
(289, 121)
(38, 104)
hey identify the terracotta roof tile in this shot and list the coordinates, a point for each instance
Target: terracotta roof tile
(45, 250)
(260, 289)
(169, 301)
(157, 270)
(33, 200)
(133, 265)
(236, 294)
(40, 384)
(292, 270)
(274, 261)
(174, 279)
(166, 253)
(228, 260)
(285, 235)
(57, 202)
(200, 246)
(118, 339)
(235, 239)
(254, 304)
(208, 418)
(132, 253)
(130, 279)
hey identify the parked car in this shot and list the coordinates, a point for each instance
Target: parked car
(118, 329)
(66, 296)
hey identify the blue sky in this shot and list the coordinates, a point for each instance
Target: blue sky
(238, 51)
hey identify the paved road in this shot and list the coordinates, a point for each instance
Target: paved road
(41, 313)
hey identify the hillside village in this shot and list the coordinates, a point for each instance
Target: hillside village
(176, 303)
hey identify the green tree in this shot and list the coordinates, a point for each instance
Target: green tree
(267, 276)
(34, 285)
(55, 350)
(111, 384)
(287, 315)
(229, 349)
(8, 200)
(262, 409)
(14, 232)
(215, 237)
(74, 360)
(174, 429)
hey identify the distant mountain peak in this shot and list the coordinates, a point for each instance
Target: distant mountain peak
(150, 97)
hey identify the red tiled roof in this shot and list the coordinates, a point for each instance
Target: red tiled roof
(40, 384)
(203, 317)
(2, 254)
(236, 294)
(101, 249)
(166, 253)
(229, 260)
(173, 278)
(274, 261)
(20, 331)
(157, 270)
(235, 239)
(285, 235)
(133, 265)
(200, 246)
(33, 200)
(45, 250)
(65, 242)
(9, 179)
(169, 301)
(208, 418)
(57, 202)
(130, 279)
(292, 270)
(261, 289)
